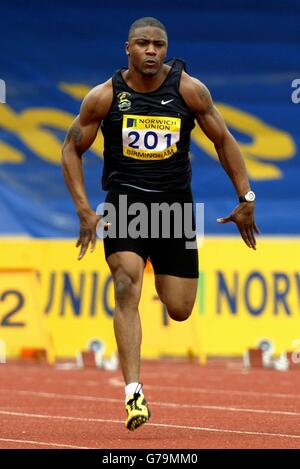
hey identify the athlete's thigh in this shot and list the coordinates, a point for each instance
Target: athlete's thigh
(177, 293)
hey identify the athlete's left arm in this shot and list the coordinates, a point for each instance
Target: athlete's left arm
(199, 100)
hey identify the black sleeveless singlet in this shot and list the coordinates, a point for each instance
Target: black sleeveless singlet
(147, 136)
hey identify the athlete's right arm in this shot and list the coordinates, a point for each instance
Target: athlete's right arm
(79, 138)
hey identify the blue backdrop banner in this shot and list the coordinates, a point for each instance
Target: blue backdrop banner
(52, 53)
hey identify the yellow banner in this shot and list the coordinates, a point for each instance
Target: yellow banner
(244, 297)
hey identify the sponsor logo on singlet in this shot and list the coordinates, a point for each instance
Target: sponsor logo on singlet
(150, 137)
(124, 103)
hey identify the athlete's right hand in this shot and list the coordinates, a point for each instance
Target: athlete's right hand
(88, 224)
(243, 217)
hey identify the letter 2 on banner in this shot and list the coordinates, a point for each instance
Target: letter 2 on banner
(21, 318)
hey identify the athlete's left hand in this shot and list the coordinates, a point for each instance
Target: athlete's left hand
(243, 217)
(88, 226)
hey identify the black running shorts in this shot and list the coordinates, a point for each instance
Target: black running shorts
(152, 230)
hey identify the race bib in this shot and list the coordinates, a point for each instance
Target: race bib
(150, 137)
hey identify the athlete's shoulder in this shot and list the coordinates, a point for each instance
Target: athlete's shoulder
(98, 100)
(99, 93)
(191, 84)
(193, 91)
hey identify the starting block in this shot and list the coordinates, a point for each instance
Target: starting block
(89, 359)
(294, 361)
(253, 358)
(257, 358)
(92, 359)
(40, 355)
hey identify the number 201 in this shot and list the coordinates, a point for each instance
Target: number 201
(148, 136)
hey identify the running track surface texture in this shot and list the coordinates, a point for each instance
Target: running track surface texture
(219, 405)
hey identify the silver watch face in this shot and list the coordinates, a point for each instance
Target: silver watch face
(250, 196)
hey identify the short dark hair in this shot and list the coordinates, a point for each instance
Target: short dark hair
(146, 21)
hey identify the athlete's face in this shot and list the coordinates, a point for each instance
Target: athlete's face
(146, 49)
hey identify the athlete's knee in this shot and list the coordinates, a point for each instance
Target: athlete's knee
(180, 312)
(124, 284)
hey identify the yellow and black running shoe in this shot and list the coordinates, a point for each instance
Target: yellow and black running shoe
(137, 410)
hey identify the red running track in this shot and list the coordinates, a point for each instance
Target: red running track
(220, 405)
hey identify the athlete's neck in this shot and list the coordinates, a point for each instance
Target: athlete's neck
(145, 83)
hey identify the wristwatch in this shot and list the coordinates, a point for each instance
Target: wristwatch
(249, 197)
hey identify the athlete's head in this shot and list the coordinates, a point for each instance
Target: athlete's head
(147, 45)
(144, 22)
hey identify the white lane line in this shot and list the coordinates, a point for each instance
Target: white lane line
(49, 395)
(116, 382)
(164, 425)
(31, 442)
(229, 409)
(52, 395)
(119, 383)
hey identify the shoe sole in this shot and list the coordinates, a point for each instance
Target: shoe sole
(136, 422)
